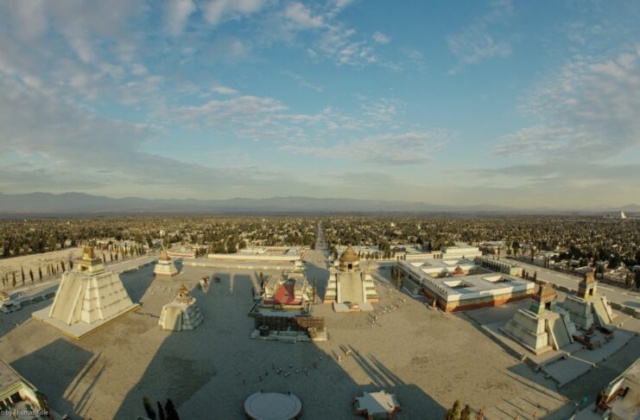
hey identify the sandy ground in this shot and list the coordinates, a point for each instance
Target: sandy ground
(427, 359)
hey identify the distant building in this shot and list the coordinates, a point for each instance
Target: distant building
(502, 266)
(456, 252)
(183, 252)
(265, 254)
(165, 266)
(414, 252)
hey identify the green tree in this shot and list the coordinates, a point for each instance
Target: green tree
(516, 247)
(454, 412)
(31, 275)
(40, 273)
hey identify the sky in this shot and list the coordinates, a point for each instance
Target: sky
(504, 102)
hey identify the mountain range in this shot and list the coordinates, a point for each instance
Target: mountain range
(81, 203)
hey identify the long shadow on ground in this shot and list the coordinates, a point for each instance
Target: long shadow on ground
(57, 365)
(210, 371)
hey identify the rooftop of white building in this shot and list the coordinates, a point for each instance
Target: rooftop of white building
(270, 250)
(441, 277)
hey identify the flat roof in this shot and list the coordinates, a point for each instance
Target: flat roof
(270, 250)
(461, 287)
(377, 402)
(8, 376)
(442, 264)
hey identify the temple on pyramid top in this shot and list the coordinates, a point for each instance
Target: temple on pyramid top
(545, 326)
(587, 307)
(165, 266)
(181, 314)
(89, 262)
(88, 297)
(349, 289)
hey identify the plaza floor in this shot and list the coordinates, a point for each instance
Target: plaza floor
(427, 359)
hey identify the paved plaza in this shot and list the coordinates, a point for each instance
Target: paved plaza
(425, 358)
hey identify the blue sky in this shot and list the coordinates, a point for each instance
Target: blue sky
(500, 102)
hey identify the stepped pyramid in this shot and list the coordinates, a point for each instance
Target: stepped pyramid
(165, 266)
(587, 308)
(350, 289)
(88, 296)
(544, 326)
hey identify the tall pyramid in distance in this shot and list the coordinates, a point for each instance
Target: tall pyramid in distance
(622, 215)
(88, 297)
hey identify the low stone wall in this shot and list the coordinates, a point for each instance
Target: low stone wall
(625, 309)
(237, 265)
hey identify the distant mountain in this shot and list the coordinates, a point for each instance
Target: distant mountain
(80, 203)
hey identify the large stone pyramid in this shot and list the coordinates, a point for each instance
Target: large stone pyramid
(587, 307)
(88, 297)
(544, 326)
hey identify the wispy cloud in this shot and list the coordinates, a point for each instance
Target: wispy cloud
(571, 174)
(476, 42)
(302, 82)
(409, 148)
(177, 13)
(381, 38)
(223, 90)
(589, 109)
(301, 16)
(61, 146)
(338, 43)
(216, 11)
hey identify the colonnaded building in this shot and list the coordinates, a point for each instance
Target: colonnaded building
(459, 284)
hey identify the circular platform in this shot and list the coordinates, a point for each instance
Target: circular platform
(272, 406)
